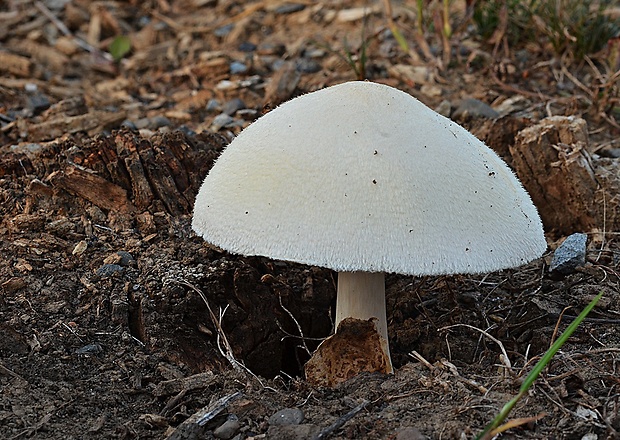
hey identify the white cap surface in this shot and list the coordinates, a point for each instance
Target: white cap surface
(363, 177)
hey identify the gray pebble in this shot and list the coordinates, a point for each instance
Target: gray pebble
(246, 46)
(152, 123)
(186, 130)
(159, 121)
(227, 429)
(287, 416)
(128, 124)
(289, 8)
(238, 67)
(37, 103)
(306, 65)
(213, 105)
(444, 108)
(89, 349)
(474, 108)
(223, 31)
(126, 258)
(221, 120)
(141, 123)
(107, 270)
(570, 254)
(231, 107)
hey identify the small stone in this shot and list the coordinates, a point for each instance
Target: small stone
(186, 130)
(231, 107)
(570, 254)
(474, 108)
(224, 30)
(128, 124)
(221, 120)
(227, 429)
(246, 46)
(31, 87)
(306, 65)
(238, 67)
(107, 270)
(37, 103)
(125, 258)
(152, 123)
(89, 349)
(289, 8)
(212, 105)
(444, 108)
(287, 416)
(158, 122)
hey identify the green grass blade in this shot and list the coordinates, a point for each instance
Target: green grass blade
(540, 366)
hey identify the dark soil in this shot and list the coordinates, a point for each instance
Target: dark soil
(117, 321)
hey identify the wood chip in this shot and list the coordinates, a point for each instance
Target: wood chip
(93, 188)
(92, 123)
(15, 64)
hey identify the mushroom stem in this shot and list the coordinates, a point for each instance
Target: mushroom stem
(361, 295)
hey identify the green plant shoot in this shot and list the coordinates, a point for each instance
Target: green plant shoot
(540, 366)
(119, 47)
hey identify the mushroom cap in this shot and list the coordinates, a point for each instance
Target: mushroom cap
(363, 177)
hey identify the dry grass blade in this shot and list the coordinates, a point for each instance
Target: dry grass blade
(514, 423)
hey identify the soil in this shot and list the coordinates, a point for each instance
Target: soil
(117, 321)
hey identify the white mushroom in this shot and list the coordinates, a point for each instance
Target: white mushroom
(364, 179)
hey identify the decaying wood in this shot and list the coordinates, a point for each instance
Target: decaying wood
(15, 64)
(175, 386)
(123, 172)
(551, 158)
(93, 188)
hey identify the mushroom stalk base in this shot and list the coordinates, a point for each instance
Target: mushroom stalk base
(360, 342)
(361, 295)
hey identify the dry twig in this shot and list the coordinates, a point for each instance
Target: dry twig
(226, 351)
(327, 432)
